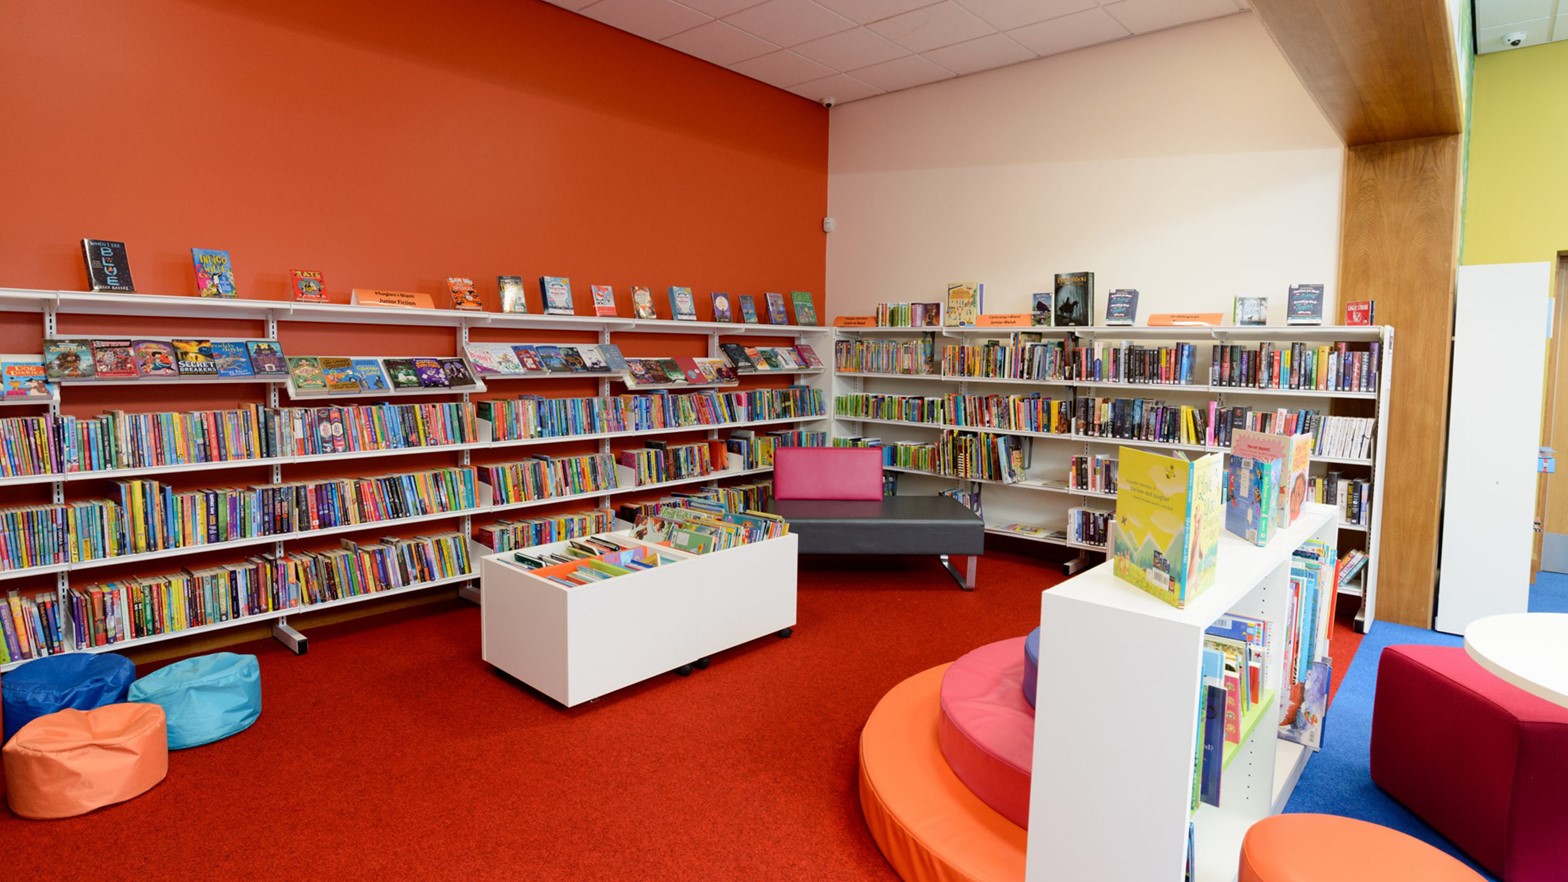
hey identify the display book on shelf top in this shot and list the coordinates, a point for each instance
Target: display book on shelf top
(1050, 500)
(1116, 753)
(52, 304)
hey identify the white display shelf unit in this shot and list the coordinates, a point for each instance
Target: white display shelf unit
(50, 306)
(575, 644)
(1020, 502)
(1116, 753)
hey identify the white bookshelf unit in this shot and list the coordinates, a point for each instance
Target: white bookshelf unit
(1043, 497)
(268, 317)
(575, 644)
(1115, 740)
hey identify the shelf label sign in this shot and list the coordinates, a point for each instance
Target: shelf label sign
(1005, 320)
(1175, 319)
(398, 299)
(855, 321)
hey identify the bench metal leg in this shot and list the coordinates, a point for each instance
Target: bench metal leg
(1077, 564)
(966, 579)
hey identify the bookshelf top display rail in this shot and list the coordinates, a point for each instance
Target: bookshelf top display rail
(1222, 333)
(162, 305)
(1112, 384)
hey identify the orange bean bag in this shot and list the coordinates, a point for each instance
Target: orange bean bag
(70, 762)
(1327, 848)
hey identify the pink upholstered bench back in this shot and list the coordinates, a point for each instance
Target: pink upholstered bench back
(827, 473)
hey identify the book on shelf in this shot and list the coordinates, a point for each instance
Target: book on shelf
(1041, 310)
(808, 355)
(1294, 455)
(112, 360)
(721, 307)
(683, 306)
(155, 359)
(1251, 491)
(371, 377)
(193, 358)
(464, 294)
(231, 357)
(1121, 306)
(642, 302)
(1361, 312)
(68, 359)
(556, 292)
(308, 286)
(338, 373)
(456, 372)
(1251, 311)
(214, 273)
(494, 359)
(23, 376)
(266, 359)
(1304, 305)
(593, 359)
(108, 268)
(805, 308)
(1088, 526)
(529, 358)
(738, 357)
(603, 300)
(1168, 519)
(748, 309)
(1212, 720)
(776, 313)
(305, 373)
(1304, 700)
(613, 359)
(965, 302)
(1074, 299)
(513, 299)
(400, 371)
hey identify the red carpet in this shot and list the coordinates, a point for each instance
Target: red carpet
(391, 752)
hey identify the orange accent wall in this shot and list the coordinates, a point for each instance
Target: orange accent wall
(392, 144)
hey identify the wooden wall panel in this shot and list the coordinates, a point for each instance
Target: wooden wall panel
(1381, 70)
(1399, 246)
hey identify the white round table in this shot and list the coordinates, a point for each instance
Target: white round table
(1529, 650)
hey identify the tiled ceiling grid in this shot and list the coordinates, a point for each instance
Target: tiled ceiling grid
(1536, 21)
(852, 49)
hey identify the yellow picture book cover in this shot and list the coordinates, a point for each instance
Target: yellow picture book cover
(1168, 521)
(964, 303)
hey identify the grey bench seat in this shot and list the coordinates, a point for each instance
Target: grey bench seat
(936, 525)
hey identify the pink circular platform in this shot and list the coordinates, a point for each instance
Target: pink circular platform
(986, 728)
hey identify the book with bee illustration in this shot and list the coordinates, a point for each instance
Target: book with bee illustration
(1168, 522)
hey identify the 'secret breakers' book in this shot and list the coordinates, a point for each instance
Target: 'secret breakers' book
(1168, 518)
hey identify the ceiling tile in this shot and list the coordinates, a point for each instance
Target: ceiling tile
(719, 43)
(653, 19)
(1143, 16)
(782, 68)
(839, 87)
(846, 50)
(944, 24)
(985, 53)
(788, 22)
(1004, 14)
(864, 11)
(1069, 32)
(1493, 13)
(570, 4)
(1491, 39)
(717, 8)
(902, 73)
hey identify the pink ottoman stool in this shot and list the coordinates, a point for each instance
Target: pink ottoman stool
(1482, 761)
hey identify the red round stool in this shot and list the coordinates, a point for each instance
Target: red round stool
(1327, 848)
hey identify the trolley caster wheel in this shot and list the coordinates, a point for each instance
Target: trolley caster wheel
(684, 670)
(701, 664)
(784, 634)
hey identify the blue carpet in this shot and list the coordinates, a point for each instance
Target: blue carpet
(1338, 780)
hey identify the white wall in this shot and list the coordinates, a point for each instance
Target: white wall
(1189, 164)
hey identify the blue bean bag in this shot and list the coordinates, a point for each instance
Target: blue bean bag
(1031, 664)
(206, 698)
(80, 680)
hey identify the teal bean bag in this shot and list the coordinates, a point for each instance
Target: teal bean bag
(206, 698)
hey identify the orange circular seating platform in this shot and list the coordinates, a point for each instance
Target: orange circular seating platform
(1328, 848)
(928, 824)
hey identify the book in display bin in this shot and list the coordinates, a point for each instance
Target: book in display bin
(748, 309)
(108, 268)
(642, 302)
(214, 273)
(1251, 311)
(464, 295)
(776, 314)
(805, 308)
(722, 311)
(557, 294)
(1168, 520)
(1074, 300)
(1121, 307)
(603, 299)
(511, 291)
(1251, 489)
(965, 302)
(1040, 311)
(683, 306)
(1304, 305)
(1294, 455)
(308, 286)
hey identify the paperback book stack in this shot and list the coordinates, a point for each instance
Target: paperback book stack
(545, 477)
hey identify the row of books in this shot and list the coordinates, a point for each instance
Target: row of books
(532, 416)
(1351, 496)
(908, 315)
(1088, 526)
(980, 456)
(761, 359)
(150, 516)
(161, 359)
(698, 526)
(1130, 363)
(341, 374)
(522, 359)
(592, 559)
(660, 461)
(1033, 360)
(657, 372)
(556, 292)
(545, 477)
(1304, 698)
(64, 444)
(507, 535)
(142, 606)
(1328, 367)
(1094, 474)
(1235, 657)
(915, 357)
